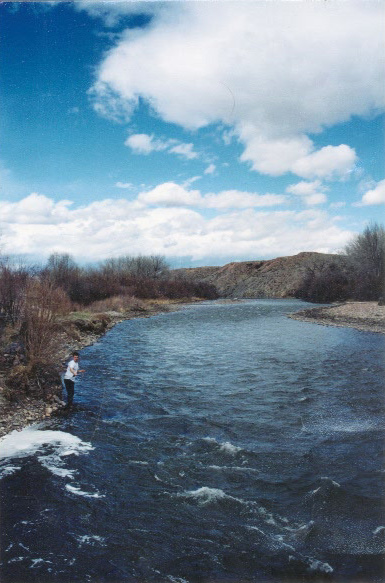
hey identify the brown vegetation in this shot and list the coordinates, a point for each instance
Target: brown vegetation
(363, 277)
(35, 307)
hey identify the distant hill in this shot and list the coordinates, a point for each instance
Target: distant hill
(272, 278)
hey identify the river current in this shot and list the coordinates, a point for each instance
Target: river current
(221, 443)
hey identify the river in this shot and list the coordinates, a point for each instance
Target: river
(221, 443)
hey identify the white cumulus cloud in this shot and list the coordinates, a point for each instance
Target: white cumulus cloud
(375, 195)
(145, 144)
(184, 150)
(273, 73)
(114, 227)
(328, 162)
(170, 194)
(236, 199)
(311, 192)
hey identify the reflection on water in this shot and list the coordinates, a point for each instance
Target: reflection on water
(224, 442)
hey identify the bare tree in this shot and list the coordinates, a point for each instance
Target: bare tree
(13, 282)
(61, 269)
(367, 255)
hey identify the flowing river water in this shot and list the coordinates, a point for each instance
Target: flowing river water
(221, 443)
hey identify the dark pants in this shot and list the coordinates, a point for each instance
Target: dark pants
(70, 388)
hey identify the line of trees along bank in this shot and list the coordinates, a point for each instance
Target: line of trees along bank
(357, 274)
(34, 301)
(144, 277)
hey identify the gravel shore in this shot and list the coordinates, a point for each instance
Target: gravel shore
(366, 316)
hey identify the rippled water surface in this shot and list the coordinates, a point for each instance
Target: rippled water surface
(221, 443)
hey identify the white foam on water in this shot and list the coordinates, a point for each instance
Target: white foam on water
(378, 530)
(330, 481)
(256, 529)
(8, 471)
(319, 566)
(326, 482)
(230, 448)
(31, 440)
(315, 491)
(226, 447)
(313, 565)
(90, 539)
(205, 495)
(39, 562)
(80, 492)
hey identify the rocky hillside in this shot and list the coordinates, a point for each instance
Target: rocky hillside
(273, 278)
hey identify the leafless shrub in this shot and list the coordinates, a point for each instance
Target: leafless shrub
(13, 282)
(325, 283)
(43, 304)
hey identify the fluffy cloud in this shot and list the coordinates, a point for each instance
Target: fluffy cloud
(173, 195)
(327, 162)
(34, 209)
(242, 65)
(311, 192)
(236, 199)
(145, 144)
(374, 196)
(316, 198)
(170, 194)
(114, 227)
(184, 150)
(296, 155)
(304, 188)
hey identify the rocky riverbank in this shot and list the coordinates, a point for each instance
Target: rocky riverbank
(78, 330)
(366, 316)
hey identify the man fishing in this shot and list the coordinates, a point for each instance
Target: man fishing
(69, 378)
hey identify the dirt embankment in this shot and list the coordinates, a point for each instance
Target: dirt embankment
(19, 408)
(366, 316)
(273, 278)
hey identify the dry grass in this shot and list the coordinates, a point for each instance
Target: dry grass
(119, 304)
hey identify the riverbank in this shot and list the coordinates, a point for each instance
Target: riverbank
(81, 329)
(365, 316)
(78, 330)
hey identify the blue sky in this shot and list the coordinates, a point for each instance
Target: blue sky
(205, 132)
